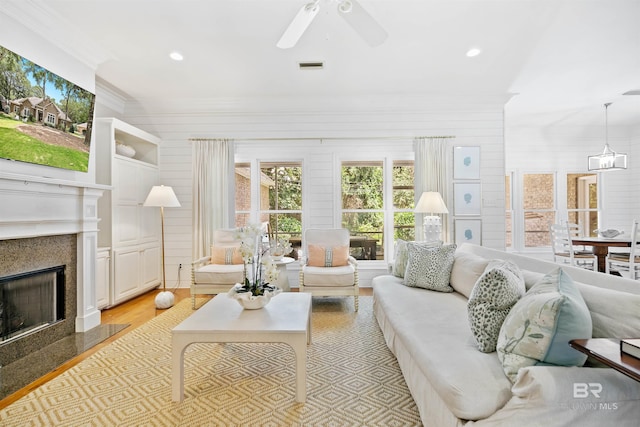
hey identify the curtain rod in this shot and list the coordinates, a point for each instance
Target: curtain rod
(325, 138)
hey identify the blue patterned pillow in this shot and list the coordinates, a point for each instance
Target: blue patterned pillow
(540, 325)
(429, 267)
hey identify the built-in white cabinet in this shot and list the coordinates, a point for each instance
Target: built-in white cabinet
(127, 160)
(103, 274)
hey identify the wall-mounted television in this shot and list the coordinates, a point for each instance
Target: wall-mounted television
(44, 118)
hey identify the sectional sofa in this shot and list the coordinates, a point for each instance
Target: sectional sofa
(454, 383)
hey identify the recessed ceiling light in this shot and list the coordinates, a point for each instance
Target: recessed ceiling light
(473, 52)
(176, 56)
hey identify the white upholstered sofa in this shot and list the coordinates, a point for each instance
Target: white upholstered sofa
(454, 384)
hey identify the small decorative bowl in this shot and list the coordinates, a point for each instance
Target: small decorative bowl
(252, 302)
(125, 150)
(609, 233)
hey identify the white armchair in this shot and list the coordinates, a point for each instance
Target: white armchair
(221, 270)
(327, 268)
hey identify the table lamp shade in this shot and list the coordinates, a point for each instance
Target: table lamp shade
(162, 196)
(431, 202)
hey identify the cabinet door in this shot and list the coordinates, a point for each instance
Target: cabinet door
(103, 266)
(126, 281)
(151, 267)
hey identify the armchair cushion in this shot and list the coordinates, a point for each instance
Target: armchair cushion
(321, 256)
(329, 276)
(219, 274)
(226, 255)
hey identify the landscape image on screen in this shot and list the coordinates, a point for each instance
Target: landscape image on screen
(44, 118)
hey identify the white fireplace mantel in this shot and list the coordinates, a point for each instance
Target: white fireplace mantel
(37, 206)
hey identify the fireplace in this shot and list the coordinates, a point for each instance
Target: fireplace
(31, 301)
(19, 258)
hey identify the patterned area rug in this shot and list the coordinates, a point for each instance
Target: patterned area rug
(352, 380)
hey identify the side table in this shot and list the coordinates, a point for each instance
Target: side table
(283, 277)
(607, 351)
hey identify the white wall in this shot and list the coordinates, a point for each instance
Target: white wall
(296, 131)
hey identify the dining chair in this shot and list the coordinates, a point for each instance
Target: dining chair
(327, 268)
(564, 252)
(627, 264)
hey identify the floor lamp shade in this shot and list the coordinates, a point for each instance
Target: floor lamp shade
(162, 197)
(431, 203)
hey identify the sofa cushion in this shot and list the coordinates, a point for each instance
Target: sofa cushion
(495, 292)
(467, 269)
(429, 268)
(226, 255)
(320, 256)
(430, 329)
(401, 255)
(541, 324)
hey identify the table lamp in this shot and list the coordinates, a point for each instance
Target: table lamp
(431, 203)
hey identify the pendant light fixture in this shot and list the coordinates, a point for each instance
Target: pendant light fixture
(608, 160)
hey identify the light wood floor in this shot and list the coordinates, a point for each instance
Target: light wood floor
(134, 312)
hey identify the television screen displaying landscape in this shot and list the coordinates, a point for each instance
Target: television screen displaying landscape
(44, 118)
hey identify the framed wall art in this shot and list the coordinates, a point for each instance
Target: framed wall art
(468, 231)
(466, 162)
(466, 198)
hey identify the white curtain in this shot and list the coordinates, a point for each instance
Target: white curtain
(213, 191)
(433, 164)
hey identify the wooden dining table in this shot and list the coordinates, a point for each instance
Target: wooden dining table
(601, 247)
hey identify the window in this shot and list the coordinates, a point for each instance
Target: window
(243, 194)
(363, 206)
(403, 200)
(51, 119)
(281, 198)
(364, 211)
(582, 201)
(538, 204)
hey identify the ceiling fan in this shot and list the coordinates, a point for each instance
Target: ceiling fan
(352, 12)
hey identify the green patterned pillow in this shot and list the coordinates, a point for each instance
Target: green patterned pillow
(401, 256)
(541, 324)
(429, 267)
(495, 292)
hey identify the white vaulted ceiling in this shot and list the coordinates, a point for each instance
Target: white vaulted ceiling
(563, 58)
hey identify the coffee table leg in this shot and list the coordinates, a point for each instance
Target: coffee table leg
(299, 345)
(177, 370)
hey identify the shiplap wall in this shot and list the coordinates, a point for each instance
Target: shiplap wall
(290, 132)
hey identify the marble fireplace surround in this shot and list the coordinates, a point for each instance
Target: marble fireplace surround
(37, 207)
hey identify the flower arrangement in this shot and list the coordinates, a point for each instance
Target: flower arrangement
(259, 270)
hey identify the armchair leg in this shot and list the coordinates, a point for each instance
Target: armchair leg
(193, 301)
(355, 300)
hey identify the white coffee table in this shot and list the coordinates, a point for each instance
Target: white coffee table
(286, 319)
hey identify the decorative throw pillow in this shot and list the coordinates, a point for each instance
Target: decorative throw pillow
(429, 268)
(226, 255)
(320, 256)
(401, 256)
(540, 325)
(495, 292)
(467, 269)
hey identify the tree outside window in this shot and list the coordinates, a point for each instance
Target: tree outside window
(282, 206)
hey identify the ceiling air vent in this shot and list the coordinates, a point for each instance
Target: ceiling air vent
(311, 65)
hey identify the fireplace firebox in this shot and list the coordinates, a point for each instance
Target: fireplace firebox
(31, 301)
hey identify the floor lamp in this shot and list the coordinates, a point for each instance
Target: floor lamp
(431, 203)
(163, 197)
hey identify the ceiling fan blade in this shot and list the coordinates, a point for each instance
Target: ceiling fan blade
(362, 22)
(299, 25)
